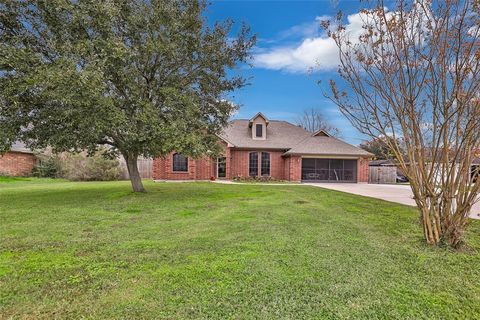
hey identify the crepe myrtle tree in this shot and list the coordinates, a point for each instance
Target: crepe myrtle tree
(143, 77)
(412, 75)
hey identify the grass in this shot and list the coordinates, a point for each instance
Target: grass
(210, 251)
(7, 179)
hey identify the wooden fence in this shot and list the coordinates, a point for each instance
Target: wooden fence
(382, 175)
(145, 166)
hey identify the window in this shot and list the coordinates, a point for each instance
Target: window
(349, 170)
(336, 170)
(253, 164)
(221, 167)
(180, 163)
(329, 169)
(258, 130)
(265, 164)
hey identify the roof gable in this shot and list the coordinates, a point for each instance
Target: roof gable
(321, 133)
(259, 114)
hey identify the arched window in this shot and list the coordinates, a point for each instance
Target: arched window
(180, 163)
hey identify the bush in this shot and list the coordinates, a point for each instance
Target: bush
(80, 167)
(77, 167)
(47, 166)
(257, 179)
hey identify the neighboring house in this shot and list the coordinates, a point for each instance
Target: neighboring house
(260, 147)
(19, 161)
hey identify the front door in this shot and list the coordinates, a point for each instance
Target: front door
(222, 167)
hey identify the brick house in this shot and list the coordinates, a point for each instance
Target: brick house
(19, 161)
(278, 149)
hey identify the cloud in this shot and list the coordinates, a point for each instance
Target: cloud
(313, 53)
(297, 32)
(304, 30)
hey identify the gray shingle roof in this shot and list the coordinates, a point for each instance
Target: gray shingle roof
(280, 135)
(325, 146)
(290, 138)
(20, 147)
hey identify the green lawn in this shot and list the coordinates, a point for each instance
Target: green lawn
(210, 251)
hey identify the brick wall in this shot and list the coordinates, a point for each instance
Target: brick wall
(362, 170)
(17, 163)
(198, 169)
(286, 168)
(294, 168)
(228, 164)
(204, 169)
(240, 163)
(289, 168)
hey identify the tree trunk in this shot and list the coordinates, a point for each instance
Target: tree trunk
(448, 230)
(135, 179)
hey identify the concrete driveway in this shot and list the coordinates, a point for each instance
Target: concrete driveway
(389, 192)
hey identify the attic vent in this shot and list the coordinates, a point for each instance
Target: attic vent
(321, 133)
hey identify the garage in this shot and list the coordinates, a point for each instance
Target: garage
(329, 170)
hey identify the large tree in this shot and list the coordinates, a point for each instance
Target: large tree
(143, 76)
(413, 74)
(380, 148)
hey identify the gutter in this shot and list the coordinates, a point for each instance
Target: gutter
(325, 155)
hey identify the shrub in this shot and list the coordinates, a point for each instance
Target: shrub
(256, 179)
(47, 166)
(77, 167)
(80, 167)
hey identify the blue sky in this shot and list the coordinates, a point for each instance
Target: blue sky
(291, 55)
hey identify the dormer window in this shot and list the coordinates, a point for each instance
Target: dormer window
(259, 130)
(258, 127)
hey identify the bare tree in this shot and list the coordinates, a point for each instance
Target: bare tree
(414, 73)
(313, 120)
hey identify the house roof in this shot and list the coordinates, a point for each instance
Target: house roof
(280, 135)
(20, 147)
(324, 145)
(290, 138)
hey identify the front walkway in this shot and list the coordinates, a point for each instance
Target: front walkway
(389, 192)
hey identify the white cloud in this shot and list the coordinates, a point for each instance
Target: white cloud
(304, 30)
(313, 53)
(297, 32)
